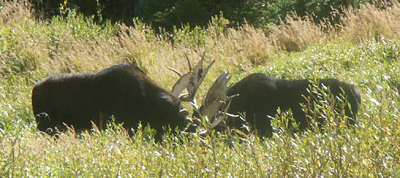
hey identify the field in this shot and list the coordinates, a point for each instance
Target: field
(364, 50)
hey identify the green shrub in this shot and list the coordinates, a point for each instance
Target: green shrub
(175, 13)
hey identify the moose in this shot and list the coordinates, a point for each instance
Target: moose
(259, 96)
(122, 91)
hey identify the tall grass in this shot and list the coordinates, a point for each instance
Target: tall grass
(371, 23)
(364, 51)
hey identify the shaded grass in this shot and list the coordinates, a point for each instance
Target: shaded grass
(32, 49)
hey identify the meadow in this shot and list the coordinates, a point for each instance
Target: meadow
(363, 50)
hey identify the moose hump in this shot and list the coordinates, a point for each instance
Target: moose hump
(123, 91)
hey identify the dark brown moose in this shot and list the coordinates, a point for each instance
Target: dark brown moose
(123, 91)
(259, 96)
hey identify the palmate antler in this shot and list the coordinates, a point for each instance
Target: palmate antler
(191, 80)
(216, 103)
(215, 97)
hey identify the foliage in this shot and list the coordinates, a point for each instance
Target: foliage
(167, 15)
(258, 13)
(32, 49)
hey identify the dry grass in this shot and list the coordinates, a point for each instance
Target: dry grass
(12, 12)
(369, 22)
(297, 34)
(31, 45)
(239, 49)
(32, 49)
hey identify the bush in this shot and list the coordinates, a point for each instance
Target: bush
(169, 13)
(166, 15)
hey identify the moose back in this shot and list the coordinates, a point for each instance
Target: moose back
(260, 95)
(123, 91)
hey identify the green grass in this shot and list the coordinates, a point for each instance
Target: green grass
(32, 49)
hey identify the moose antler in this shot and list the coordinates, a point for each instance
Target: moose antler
(191, 80)
(216, 96)
(216, 103)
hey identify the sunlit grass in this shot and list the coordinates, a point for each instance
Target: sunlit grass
(32, 49)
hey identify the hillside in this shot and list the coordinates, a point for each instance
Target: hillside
(364, 50)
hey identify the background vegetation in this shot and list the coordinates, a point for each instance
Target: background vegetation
(362, 49)
(169, 14)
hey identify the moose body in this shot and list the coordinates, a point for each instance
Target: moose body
(123, 91)
(261, 95)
